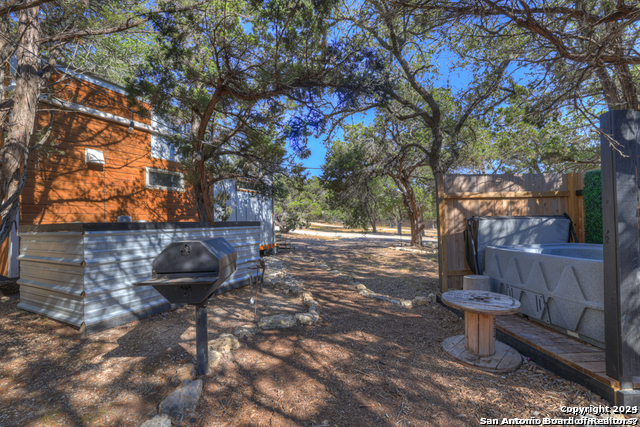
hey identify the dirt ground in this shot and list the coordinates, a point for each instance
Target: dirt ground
(366, 363)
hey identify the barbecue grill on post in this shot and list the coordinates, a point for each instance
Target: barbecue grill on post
(188, 272)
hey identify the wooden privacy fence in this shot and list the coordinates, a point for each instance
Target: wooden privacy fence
(463, 196)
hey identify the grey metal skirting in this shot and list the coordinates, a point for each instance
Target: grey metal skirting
(85, 277)
(559, 284)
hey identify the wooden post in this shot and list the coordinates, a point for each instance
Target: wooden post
(471, 331)
(4, 257)
(486, 334)
(480, 333)
(621, 228)
(573, 185)
(442, 233)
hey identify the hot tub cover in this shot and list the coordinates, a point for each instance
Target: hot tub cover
(483, 231)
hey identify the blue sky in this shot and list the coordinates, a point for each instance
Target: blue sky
(319, 150)
(458, 79)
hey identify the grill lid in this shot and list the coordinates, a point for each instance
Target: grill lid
(189, 271)
(195, 256)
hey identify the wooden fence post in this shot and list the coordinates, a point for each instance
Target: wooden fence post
(574, 185)
(442, 234)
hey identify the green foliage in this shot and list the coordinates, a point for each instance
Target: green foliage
(113, 54)
(519, 138)
(379, 168)
(117, 57)
(222, 210)
(592, 199)
(242, 78)
(298, 201)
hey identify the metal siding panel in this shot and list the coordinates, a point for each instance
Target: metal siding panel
(92, 282)
(64, 307)
(230, 187)
(247, 208)
(253, 207)
(50, 284)
(266, 222)
(243, 206)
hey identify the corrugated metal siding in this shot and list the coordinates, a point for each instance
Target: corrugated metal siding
(248, 206)
(88, 278)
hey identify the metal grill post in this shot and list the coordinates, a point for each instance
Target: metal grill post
(202, 341)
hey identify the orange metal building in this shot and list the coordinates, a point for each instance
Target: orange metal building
(108, 161)
(98, 168)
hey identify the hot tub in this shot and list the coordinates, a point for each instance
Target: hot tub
(559, 284)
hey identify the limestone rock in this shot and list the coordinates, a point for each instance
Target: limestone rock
(278, 321)
(367, 293)
(244, 331)
(307, 318)
(306, 296)
(431, 298)
(361, 287)
(215, 357)
(185, 372)
(313, 309)
(224, 344)
(406, 303)
(158, 421)
(183, 401)
(387, 299)
(418, 301)
(311, 303)
(294, 289)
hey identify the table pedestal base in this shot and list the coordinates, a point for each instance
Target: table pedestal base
(505, 358)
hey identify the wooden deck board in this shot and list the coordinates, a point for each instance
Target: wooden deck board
(583, 357)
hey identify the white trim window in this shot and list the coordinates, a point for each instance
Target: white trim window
(160, 179)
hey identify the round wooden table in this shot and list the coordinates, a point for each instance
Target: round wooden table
(478, 346)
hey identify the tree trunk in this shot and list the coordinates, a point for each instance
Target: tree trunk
(413, 211)
(399, 221)
(416, 230)
(4, 52)
(204, 204)
(16, 145)
(203, 198)
(200, 203)
(373, 225)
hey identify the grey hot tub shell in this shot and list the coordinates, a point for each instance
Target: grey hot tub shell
(560, 284)
(83, 273)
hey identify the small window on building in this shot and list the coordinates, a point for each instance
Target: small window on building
(159, 179)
